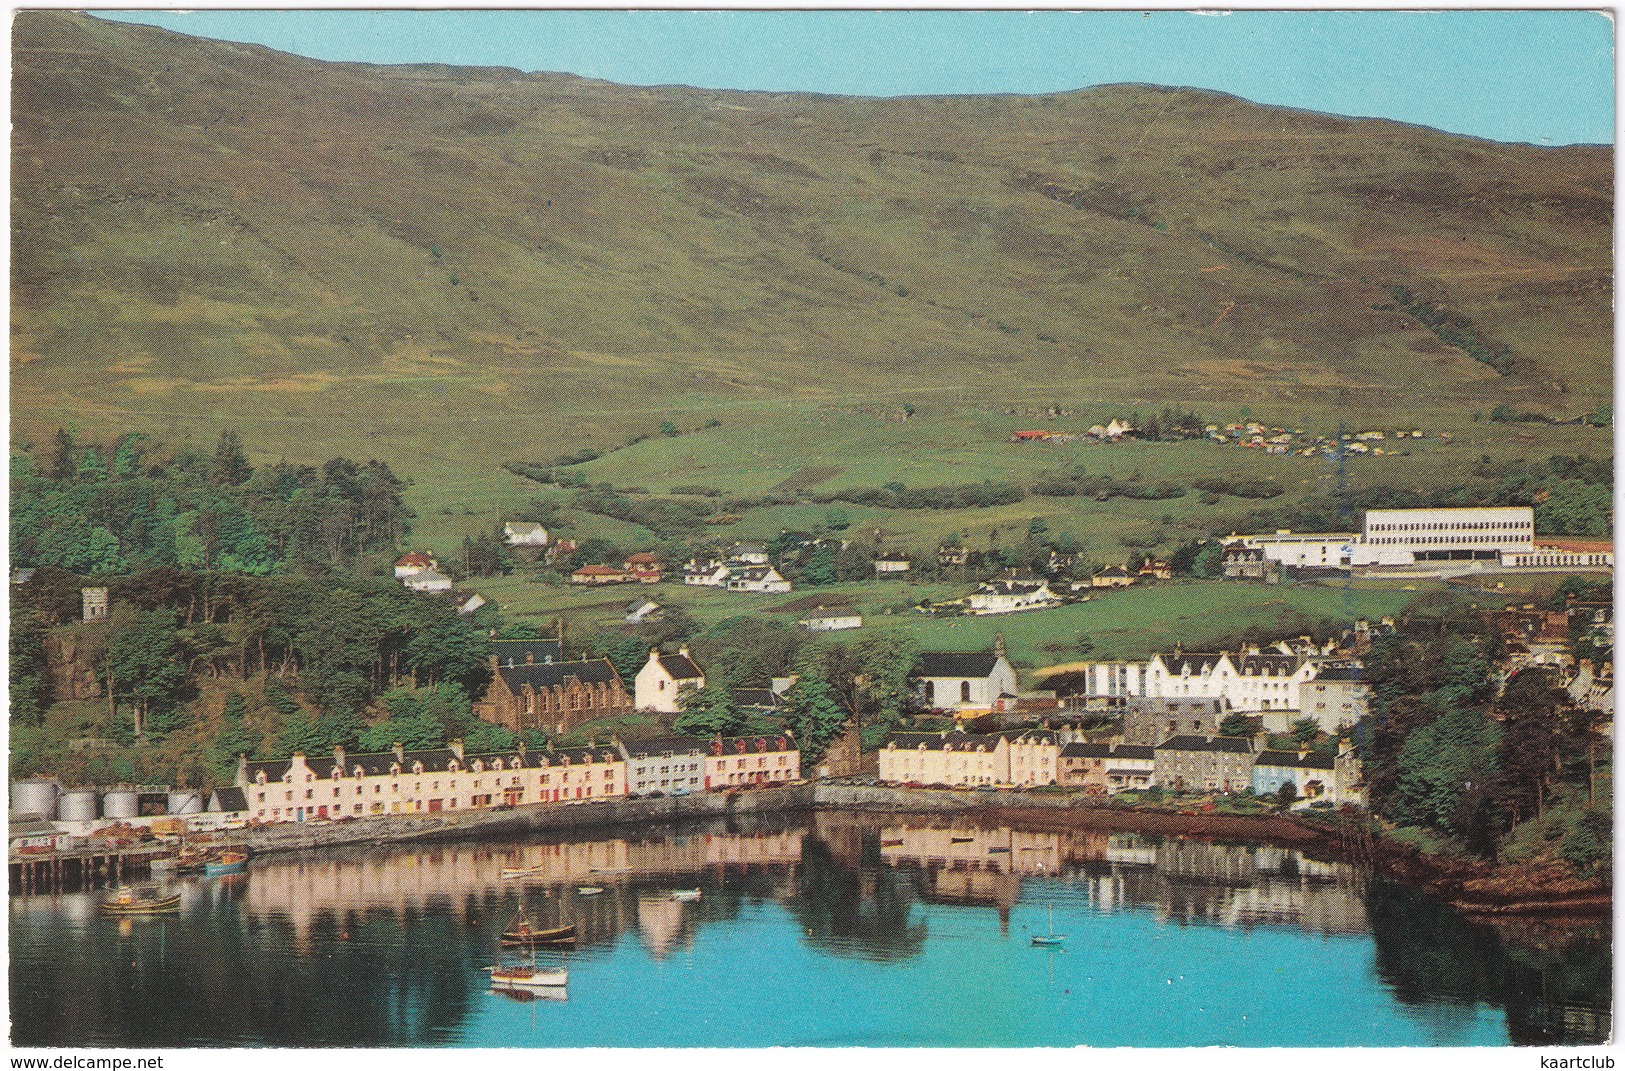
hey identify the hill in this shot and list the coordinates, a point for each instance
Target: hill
(452, 267)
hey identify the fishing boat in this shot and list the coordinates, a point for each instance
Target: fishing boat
(894, 843)
(1050, 939)
(588, 890)
(685, 896)
(960, 840)
(521, 934)
(511, 872)
(128, 901)
(227, 862)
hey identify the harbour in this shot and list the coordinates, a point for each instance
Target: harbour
(880, 905)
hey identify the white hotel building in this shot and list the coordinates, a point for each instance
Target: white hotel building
(1493, 537)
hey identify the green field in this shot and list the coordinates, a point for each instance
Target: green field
(1129, 623)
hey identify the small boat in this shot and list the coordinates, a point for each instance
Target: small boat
(996, 851)
(898, 843)
(1051, 939)
(588, 890)
(528, 976)
(510, 872)
(609, 870)
(521, 934)
(960, 840)
(127, 901)
(685, 896)
(227, 862)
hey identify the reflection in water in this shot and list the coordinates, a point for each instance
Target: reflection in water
(386, 946)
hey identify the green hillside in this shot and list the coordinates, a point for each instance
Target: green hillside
(464, 265)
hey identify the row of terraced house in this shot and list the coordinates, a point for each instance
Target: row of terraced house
(305, 788)
(1184, 763)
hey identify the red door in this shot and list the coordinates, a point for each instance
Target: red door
(434, 805)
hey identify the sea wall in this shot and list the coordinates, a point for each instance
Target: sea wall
(521, 821)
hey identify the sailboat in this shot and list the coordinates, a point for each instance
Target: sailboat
(1051, 939)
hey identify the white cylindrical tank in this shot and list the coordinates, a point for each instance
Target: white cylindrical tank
(120, 803)
(184, 802)
(35, 796)
(77, 805)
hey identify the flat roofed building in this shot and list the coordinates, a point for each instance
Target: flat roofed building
(1408, 536)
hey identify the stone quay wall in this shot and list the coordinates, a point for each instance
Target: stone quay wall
(520, 821)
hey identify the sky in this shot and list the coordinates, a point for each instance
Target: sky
(1544, 77)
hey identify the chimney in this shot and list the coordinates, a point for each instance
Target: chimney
(530, 658)
(1344, 746)
(1261, 741)
(519, 748)
(455, 747)
(998, 644)
(400, 752)
(242, 770)
(1303, 753)
(338, 755)
(496, 663)
(683, 651)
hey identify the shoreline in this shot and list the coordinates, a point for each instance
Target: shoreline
(1484, 892)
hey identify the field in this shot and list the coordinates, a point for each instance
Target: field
(1130, 623)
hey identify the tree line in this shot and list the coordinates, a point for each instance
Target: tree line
(109, 509)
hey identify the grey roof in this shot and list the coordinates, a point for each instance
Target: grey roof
(1234, 744)
(1313, 760)
(1035, 736)
(229, 798)
(765, 742)
(1108, 751)
(1341, 673)
(273, 769)
(956, 664)
(680, 666)
(1277, 665)
(954, 741)
(1012, 587)
(676, 745)
(29, 825)
(558, 674)
(551, 649)
(766, 698)
(1177, 662)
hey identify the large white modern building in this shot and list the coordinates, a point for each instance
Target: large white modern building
(1493, 537)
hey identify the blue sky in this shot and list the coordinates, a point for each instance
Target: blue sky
(1544, 77)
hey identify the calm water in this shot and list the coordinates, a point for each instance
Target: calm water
(812, 930)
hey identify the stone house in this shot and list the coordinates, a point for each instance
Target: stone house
(1192, 763)
(1009, 596)
(554, 696)
(955, 759)
(524, 534)
(414, 563)
(1151, 720)
(427, 580)
(1113, 576)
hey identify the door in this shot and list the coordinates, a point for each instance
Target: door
(434, 805)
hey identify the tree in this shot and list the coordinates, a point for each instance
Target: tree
(814, 716)
(885, 662)
(669, 429)
(1439, 764)
(1304, 731)
(1235, 725)
(1287, 794)
(61, 465)
(230, 467)
(145, 664)
(709, 711)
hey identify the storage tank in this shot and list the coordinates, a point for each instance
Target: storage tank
(121, 803)
(76, 805)
(184, 802)
(35, 796)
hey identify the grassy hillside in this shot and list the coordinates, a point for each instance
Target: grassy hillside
(449, 268)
